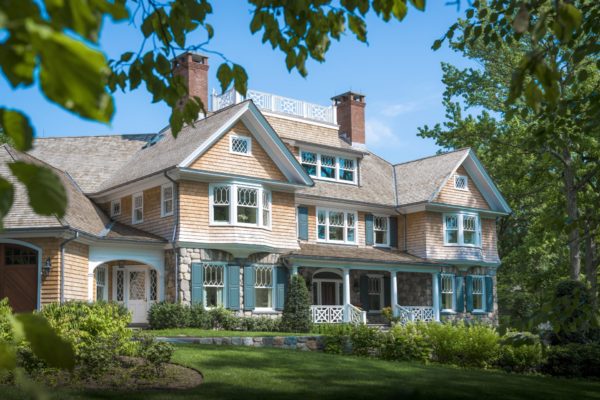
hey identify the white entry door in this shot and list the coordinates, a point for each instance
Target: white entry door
(136, 287)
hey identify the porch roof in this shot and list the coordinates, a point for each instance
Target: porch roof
(342, 253)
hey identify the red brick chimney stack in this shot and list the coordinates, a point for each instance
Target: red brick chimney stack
(194, 69)
(350, 109)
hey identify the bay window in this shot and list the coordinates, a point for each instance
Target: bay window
(336, 226)
(328, 167)
(462, 229)
(233, 204)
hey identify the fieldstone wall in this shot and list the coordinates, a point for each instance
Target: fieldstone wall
(415, 289)
(187, 256)
(304, 343)
(170, 276)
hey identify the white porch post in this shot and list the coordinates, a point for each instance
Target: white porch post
(294, 270)
(436, 296)
(346, 294)
(394, 291)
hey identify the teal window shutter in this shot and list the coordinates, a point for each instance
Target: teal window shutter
(394, 231)
(303, 223)
(459, 293)
(248, 287)
(197, 283)
(233, 287)
(489, 294)
(387, 292)
(280, 286)
(364, 292)
(369, 229)
(469, 293)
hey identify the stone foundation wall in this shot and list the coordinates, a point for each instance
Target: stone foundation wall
(170, 291)
(305, 343)
(415, 289)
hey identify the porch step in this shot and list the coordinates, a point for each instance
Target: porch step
(381, 327)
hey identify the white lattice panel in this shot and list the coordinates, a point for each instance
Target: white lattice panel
(262, 100)
(327, 314)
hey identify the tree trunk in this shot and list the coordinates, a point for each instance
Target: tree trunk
(591, 264)
(571, 193)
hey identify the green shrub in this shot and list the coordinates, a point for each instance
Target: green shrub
(365, 341)
(199, 317)
(296, 311)
(165, 315)
(405, 343)
(573, 360)
(521, 359)
(331, 329)
(260, 324)
(6, 332)
(222, 318)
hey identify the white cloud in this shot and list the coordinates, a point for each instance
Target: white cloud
(379, 134)
(393, 110)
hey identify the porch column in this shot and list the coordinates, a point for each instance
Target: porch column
(394, 291)
(346, 294)
(294, 270)
(435, 288)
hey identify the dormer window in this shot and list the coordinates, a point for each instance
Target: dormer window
(240, 145)
(461, 182)
(115, 208)
(329, 167)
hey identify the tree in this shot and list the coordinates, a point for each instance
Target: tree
(296, 311)
(55, 43)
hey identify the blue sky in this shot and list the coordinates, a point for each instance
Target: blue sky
(397, 71)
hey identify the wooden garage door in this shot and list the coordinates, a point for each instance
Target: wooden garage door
(18, 277)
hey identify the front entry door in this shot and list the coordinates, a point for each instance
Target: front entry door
(328, 297)
(137, 294)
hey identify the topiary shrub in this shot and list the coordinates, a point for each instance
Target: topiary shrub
(573, 360)
(296, 311)
(166, 315)
(405, 343)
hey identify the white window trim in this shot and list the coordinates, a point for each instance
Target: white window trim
(466, 178)
(387, 243)
(112, 205)
(337, 167)
(233, 187)
(273, 300)
(224, 265)
(248, 140)
(133, 197)
(460, 232)
(483, 294)
(453, 280)
(327, 240)
(162, 200)
(105, 287)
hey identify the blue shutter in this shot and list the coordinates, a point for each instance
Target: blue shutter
(280, 286)
(387, 291)
(303, 223)
(469, 285)
(394, 231)
(248, 287)
(197, 283)
(364, 292)
(489, 294)
(369, 229)
(459, 293)
(233, 287)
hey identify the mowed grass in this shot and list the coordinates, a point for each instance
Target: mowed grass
(256, 373)
(196, 332)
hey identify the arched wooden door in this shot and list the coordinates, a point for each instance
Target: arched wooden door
(19, 277)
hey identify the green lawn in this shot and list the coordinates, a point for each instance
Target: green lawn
(250, 373)
(195, 332)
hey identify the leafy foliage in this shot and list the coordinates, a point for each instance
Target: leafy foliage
(573, 360)
(406, 343)
(296, 312)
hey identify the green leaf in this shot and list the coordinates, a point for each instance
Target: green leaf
(47, 195)
(16, 126)
(8, 356)
(125, 57)
(358, 27)
(436, 45)
(240, 79)
(7, 195)
(419, 4)
(45, 342)
(72, 74)
(224, 75)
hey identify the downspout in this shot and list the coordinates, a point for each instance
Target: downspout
(174, 236)
(62, 266)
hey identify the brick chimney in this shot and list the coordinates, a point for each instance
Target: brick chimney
(194, 69)
(350, 108)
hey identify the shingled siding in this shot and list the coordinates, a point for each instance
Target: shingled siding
(51, 283)
(468, 198)
(194, 221)
(153, 222)
(76, 271)
(307, 132)
(219, 159)
(416, 233)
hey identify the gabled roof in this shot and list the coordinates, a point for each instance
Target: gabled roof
(192, 141)
(81, 214)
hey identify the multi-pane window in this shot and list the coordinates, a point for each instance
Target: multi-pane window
(381, 230)
(115, 208)
(461, 182)
(462, 229)
(14, 255)
(328, 167)
(120, 286)
(447, 290)
(240, 145)
(153, 285)
(236, 204)
(214, 283)
(263, 286)
(336, 226)
(166, 200)
(375, 291)
(101, 284)
(137, 214)
(478, 291)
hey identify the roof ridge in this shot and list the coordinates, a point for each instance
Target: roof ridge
(96, 136)
(434, 155)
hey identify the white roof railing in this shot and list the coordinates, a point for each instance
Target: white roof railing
(277, 104)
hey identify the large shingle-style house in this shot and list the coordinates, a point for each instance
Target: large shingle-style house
(258, 189)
